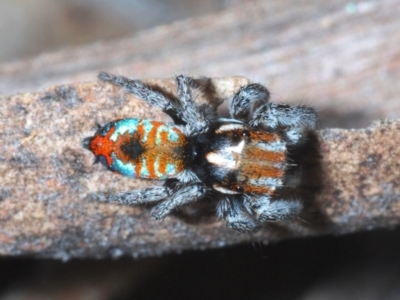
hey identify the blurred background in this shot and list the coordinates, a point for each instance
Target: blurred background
(28, 27)
(364, 266)
(359, 266)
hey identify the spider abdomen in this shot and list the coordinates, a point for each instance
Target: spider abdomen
(263, 163)
(140, 148)
(238, 160)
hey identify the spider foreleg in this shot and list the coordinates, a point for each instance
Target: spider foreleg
(230, 209)
(295, 119)
(248, 98)
(264, 209)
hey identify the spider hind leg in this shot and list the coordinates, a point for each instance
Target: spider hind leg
(136, 197)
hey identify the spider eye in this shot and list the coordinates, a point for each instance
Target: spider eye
(236, 137)
(245, 133)
(239, 189)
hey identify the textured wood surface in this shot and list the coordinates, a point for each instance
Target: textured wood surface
(341, 58)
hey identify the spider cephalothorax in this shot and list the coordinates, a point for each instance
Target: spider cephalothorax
(242, 161)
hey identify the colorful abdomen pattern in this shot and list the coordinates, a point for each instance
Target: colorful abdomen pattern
(245, 161)
(140, 148)
(263, 163)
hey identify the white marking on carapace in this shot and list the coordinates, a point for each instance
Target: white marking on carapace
(275, 146)
(226, 120)
(237, 149)
(224, 190)
(219, 159)
(227, 157)
(229, 127)
(266, 181)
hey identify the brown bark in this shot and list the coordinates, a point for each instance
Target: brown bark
(345, 64)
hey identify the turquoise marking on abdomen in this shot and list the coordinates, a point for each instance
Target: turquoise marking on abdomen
(172, 135)
(158, 134)
(144, 172)
(170, 169)
(123, 126)
(128, 169)
(157, 168)
(147, 126)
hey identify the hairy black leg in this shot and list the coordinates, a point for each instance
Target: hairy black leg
(295, 119)
(152, 194)
(142, 91)
(248, 98)
(230, 209)
(197, 118)
(182, 195)
(264, 209)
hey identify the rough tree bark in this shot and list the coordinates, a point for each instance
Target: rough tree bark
(344, 60)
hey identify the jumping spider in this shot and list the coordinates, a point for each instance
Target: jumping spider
(241, 161)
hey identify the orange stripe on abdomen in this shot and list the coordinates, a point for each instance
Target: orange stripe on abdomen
(262, 169)
(263, 136)
(258, 155)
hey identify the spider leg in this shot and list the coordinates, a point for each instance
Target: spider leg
(142, 91)
(197, 118)
(230, 209)
(296, 119)
(182, 195)
(248, 98)
(135, 197)
(266, 210)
